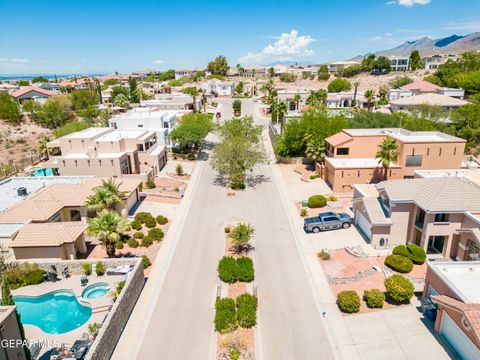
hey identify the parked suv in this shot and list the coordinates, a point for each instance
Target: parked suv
(327, 221)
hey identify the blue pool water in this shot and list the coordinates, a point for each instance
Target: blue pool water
(95, 291)
(55, 313)
(43, 172)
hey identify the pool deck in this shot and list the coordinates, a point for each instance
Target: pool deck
(100, 306)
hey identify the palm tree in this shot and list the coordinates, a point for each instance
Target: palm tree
(114, 187)
(369, 95)
(315, 149)
(387, 153)
(108, 226)
(322, 96)
(42, 145)
(100, 200)
(356, 84)
(296, 100)
(281, 111)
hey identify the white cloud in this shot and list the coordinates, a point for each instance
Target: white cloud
(14, 60)
(289, 46)
(463, 25)
(408, 3)
(157, 62)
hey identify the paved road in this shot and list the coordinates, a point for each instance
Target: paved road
(181, 325)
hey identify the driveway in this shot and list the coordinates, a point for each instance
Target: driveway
(336, 239)
(395, 334)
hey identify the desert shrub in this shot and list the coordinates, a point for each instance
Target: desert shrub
(156, 234)
(317, 201)
(146, 261)
(87, 268)
(401, 250)
(374, 298)
(118, 244)
(191, 156)
(399, 288)
(313, 177)
(94, 328)
(225, 316)
(303, 212)
(162, 220)
(246, 310)
(100, 268)
(399, 263)
(138, 235)
(143, 216)
(245, 270)
(227, 229)
(133, 243)
(147, 241)
(348, 301)
(332, 198)
(150, 184)
(238, 186)
(228, 269)
(136, 225)
(150, 223)
(324, 255)
(179, 169)
(23, 275)
(417, 254)
(323, 76)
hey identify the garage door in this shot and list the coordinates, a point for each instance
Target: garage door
(363, 224)
(457, 339)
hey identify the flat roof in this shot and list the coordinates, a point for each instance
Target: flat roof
(88, 133)
(462, 277)
(405, 135)
(123, 134)
(345, 163)
(8, 187)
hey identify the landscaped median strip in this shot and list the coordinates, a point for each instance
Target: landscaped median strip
(236, 314)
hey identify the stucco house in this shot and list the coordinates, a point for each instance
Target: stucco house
(31, 93)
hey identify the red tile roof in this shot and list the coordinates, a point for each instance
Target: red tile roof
(338, 138)
(28, 89)
(421, 86)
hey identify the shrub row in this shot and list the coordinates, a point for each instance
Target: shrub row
(147, 218)
(399, 263)
(229, 313)
(231, 270)
(23, 275)
(412, 251)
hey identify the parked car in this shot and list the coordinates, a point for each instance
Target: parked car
(327, 221)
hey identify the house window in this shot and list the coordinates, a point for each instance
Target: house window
(140, 147)
(414, 160)
(442, 217)
(440, 152)
(454, 151)
(428, 151)
(343, 151)
(436, 244)
(140, 125)
(420, 219)
(473, 251)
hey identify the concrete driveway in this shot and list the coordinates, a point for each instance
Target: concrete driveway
(336, 239)
(395, 334)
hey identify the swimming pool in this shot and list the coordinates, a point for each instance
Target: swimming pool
(43, 172)
(55, 313)
(95, 291)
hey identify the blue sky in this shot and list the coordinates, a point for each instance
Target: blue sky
(100, 36)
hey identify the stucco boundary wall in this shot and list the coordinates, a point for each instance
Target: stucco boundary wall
(106, 340)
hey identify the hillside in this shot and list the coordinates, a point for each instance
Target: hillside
(454, 44)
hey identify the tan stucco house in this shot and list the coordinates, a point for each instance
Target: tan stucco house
(351, 155)
(442, 215)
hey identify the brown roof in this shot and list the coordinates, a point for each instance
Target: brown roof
(47, 202)
(338, 138)
(422, 86)
(48, 234)
(470, 311)
(28, 89)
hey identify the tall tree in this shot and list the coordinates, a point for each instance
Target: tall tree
(369, 95)
(218, 66)
(356, 84)
(193, 92)
(282, 108)
(9, 109)
(415, 60)
(387, 153)
(132, 84)
(108, 226)
(296, 100)
(42, 145)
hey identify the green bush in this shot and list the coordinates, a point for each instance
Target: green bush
(238, 186)
(136, 225)
(150, 184)
(34, 277)
(147, 241)
(324, 255)
(138, 235)
(18, 276)
(150, 223)
(100, 268)
(317, 201)
(401, 250)
(417, 254)
(118, 244)
(245, 270)
(225, 316)
(399, 263)
(399, 288)
(156, 234)
(374, 298)
(143, 216)
(349, 301)
(162, 220)
(332, 198)
(87, 268)
(246, 310)
(191, 156)
(303, 212)
(227, 229)
(228, 269)
(133, 243)
(146, 261)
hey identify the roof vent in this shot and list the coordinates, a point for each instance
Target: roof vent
(22, 191)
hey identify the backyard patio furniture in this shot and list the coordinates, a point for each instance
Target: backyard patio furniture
(119, 270)
(79, 349)
(83, 280)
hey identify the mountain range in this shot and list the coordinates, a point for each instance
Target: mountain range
(454, 44)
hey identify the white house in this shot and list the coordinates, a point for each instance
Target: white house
(182, 72)
(399, 63)
(288, 95)
(218, 87)
(147, 118)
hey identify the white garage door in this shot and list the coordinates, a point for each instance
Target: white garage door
(457, 339)
(363, 224)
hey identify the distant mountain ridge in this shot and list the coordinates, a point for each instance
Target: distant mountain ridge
(454, 44)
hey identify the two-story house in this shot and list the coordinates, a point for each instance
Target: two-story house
(351, 155)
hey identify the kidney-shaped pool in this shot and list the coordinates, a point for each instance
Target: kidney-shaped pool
(55, 313)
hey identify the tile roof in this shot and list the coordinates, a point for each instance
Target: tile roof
(28, 89)
(48, 234)
(375, 212)
(338, 138)
(421, 85)
(429, 99)
(450, 194)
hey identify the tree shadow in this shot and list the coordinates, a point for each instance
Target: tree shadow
(254, 180)
(220, 180)
(203, 156)
(241, 249)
